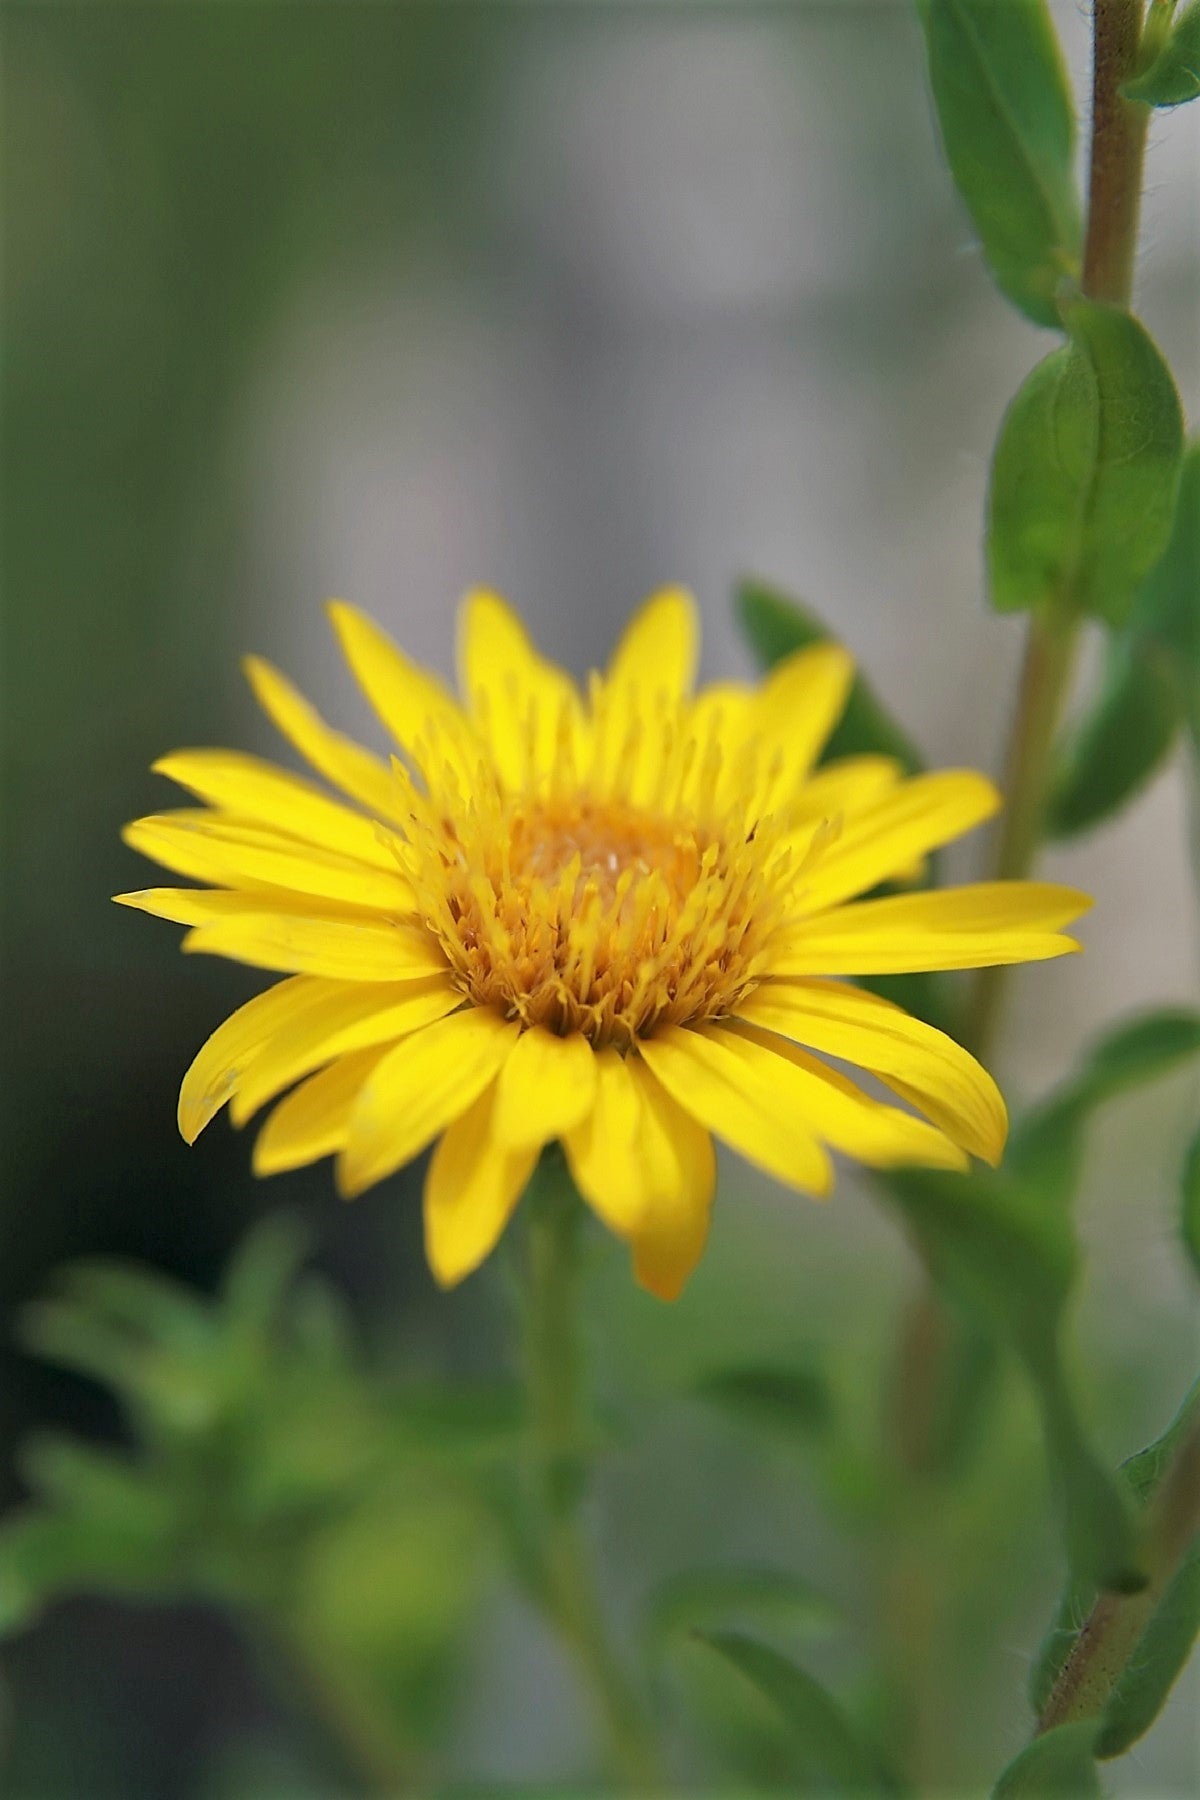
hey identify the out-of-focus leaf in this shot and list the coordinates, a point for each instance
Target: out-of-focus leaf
(1190, 1216)
(776, 626)
(262, 1270)
(1008, 126)
(1060, 1763)
(1119, 745)
(792, 1402)
(1085, 471)
(169, 1392)
(1144, 1470)
(700, 1598)
(84, 1480)
(1174, 75)
(1013, 1262)
(46, 1556)
(142, 1301)
(1045, 1149)
(832, 1749)
(1160, 1654)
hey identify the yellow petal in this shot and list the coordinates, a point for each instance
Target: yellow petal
(253, 789)
(352, 1016)
(522, 705)
(421, 1085)
(706, 1077)
(347, 764)
(223, 1058)
(208, 906)
(315, 1117)
(790, 720)
(471, 1190)
(659, 648)
(546, 1088)
(420, 713)
(949, 928)
(236, 853)
(346, 949)
(921, 1064)
(678, 1154)
(843, 787)
(780, 1074)
(887, 838)
(604, 1149)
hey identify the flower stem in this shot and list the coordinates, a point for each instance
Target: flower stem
(1110, 246)
(1110, 1634)
(556, 1469)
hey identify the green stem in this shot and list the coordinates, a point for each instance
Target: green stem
(1114, 198)
(552, 1374)
(1109, 1636)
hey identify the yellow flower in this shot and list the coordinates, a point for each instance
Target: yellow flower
(608, 918)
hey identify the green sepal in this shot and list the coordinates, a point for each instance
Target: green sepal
(830, 1747)
(776, 627)
(1007, 121)
(1174, 75)
(1058, 1765)
(1084, 477)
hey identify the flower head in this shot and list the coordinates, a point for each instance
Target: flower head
(619, 918)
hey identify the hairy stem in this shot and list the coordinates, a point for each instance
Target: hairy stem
(552, 1374)
(1110, 1634)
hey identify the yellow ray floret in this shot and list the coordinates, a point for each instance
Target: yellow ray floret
(619, 918)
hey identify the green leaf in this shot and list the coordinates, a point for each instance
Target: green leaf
(757, 1596)
(1059, 1763)
(1045, 1149)
(1174, 75)
(792, 1402)
(1005, 1256)
(1084, 476)
(1190, 1217)
(1008, 127)
(1157, 1660)
(1121, 743)
(1167, 614)
(833, 1750)
(776, 627)
(1144, 1470)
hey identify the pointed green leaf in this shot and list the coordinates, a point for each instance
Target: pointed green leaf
(1190, 1218)
(1174, 75)
(1008, 126)
(1144, 1470)
(832, 1748)
(1159, 1657)
(1083, 481)
(1120, 744)
(698, 1598)
(793, 1402)
(776, 626)
(1058, 1764)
